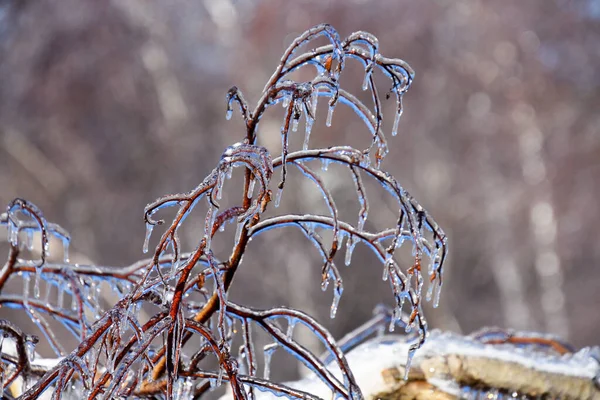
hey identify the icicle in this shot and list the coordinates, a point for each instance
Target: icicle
(368, 71)
(25, 287)
(386, 272)
(36, 285)
(400, 241)
(229, 173)
(397, 116)
(408, 328)
(66, 250)
(94, 297)
(184, 389)
(229, 112)
(60, 297)
(411, 354)
(287, 98)
(429, 293)
(313, 103)
(149, 228)
(218, 189)
(290, 329)
(74, 302)
(325, 279)
(436, 294)
(222, 226)
(30, 349)
(268, 351)
(238, 231)
(13, 233)
(325, 164)
(1, 383)
(393, 320)
(212, 382)
(251, 187)
(208, 224)
(278, 197)
(295, 123)
(309, 124)
(329, 115)
(350, 243)
(29, 239)
(220, 376)
(46, 248)
(337, 294)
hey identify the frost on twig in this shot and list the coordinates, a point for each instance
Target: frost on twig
(171, 352)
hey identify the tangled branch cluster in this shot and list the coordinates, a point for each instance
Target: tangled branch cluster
(123, 354)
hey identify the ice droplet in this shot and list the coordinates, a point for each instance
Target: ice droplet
(228, 113)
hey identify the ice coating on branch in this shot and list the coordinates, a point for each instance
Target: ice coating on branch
(186, 289)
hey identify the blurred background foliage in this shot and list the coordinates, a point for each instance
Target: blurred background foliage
(106, 105)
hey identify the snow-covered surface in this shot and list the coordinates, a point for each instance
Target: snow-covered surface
(581, 364)
(368, 360)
